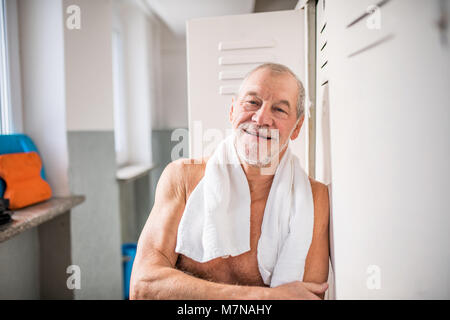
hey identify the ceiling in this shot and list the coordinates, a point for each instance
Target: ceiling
(175, 12)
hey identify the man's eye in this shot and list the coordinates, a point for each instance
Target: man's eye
(252, 102)
(280, 110)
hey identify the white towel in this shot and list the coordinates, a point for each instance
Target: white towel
(216, 219)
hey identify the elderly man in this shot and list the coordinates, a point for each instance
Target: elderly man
(252, 231)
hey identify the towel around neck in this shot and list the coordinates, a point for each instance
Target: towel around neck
(216, 219)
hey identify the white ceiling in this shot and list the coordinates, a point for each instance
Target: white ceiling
(175, 12)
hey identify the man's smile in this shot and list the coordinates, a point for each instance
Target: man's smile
(256, 134)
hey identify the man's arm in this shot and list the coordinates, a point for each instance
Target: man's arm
(317, 260)
(154, 275)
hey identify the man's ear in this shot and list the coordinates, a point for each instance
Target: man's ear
(232, 109)
(296, 131)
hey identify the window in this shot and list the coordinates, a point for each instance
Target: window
(5, 101)
(120, 116)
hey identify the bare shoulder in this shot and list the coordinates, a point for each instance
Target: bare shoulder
(180, 174)
(321, 200)
(159, 236)
(319, 189)
(189, 171)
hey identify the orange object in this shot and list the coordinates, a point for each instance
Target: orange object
(24, 185)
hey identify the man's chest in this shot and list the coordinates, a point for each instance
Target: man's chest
(242, 269)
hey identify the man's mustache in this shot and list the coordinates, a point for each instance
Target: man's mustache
(259, 131)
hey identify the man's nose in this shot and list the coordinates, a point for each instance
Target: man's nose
(263, 116)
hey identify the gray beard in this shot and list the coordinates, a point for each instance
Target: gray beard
(255, 160)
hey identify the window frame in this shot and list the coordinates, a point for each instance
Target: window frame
(6, 121)
(120, 110)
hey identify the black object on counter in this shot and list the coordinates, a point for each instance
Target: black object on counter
(4, 205)
(4, 218)
(5, 214)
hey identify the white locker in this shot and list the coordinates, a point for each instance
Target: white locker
(221, 50)
(384, 95)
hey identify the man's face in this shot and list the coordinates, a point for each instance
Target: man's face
(264, 116)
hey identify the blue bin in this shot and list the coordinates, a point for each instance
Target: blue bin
(128, 254)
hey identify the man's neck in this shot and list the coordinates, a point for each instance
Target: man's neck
(260, 178)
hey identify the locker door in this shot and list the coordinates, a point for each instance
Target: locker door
(387, 101)
(221, 50)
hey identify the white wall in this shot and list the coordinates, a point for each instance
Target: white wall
(89, 66)
(43, 86)
(172, 111)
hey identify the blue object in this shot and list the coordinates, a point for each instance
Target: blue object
(15, 143)
(128, 253)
